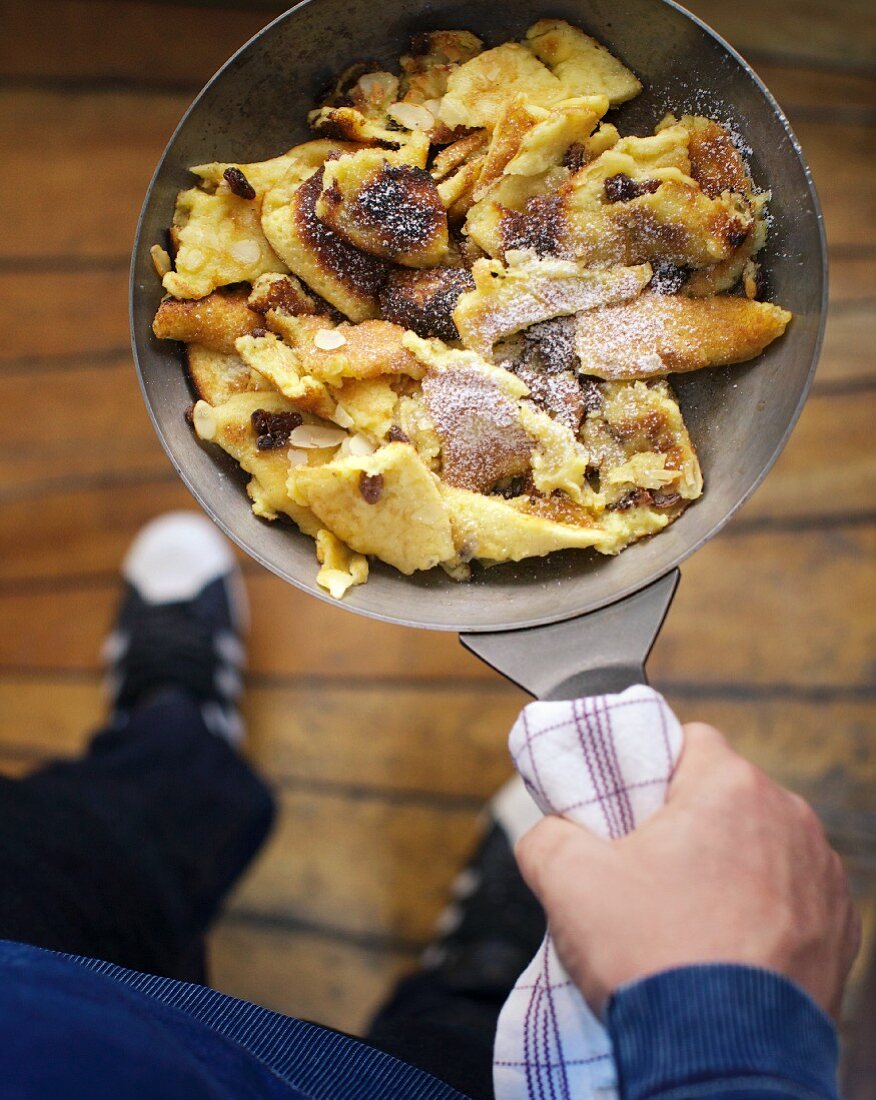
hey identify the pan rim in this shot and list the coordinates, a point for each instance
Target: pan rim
(648, 578)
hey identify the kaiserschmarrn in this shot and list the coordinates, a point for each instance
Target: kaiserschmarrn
(438, 333)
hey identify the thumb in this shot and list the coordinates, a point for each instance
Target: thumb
(554, 851)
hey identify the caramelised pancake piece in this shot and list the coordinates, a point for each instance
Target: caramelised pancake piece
(547, 143)
(639, 448)
(516, 118)
(493, 529)
(371, 349)
(715, 162)
(388, 209)
(348, 278)
(219, 240)
(217, 376)
(544, 359)
(215, 322)
(556, 62)
(234, 426)
(423, 301)
(280, 366)
(479, 90)
(251, 181)
(432, 56)
(657, 334)
(281, 292)
(364, 108)
(387, 504)
(580, 63)
(341, 567)
(477, 421)
(530, 289)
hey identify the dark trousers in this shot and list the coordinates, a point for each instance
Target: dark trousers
(127, 853)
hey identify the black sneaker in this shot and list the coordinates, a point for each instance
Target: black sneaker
(494, 924)
(180, 623)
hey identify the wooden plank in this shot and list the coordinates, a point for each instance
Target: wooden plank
(814, 638)
(360, 866)
(823, 751)
(69, 532)
(98, 406)
(182, 44)
(845, 184)
(393, 739)
(847, 355)
(304, 974)
(844, 36)
(800, 90)
(828, 467)
(766, 608)
(48, 314)
(104, 149)
(852, 281)
(171, 45)
(432, 743)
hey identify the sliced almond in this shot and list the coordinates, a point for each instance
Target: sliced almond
(311, 436)
(411, 116)
(246, 252)
(361, 445)
(204, 420)
(329, 339)
(342, 418)
(161, 260)
(297, 457)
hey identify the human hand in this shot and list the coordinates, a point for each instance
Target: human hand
(732, 869)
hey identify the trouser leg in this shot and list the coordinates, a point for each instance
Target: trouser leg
(127, 853)
(445, 1031)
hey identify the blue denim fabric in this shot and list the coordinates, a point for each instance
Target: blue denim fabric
(728, 1032)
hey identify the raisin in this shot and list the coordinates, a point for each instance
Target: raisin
(238, 183)
(665, 500)
(258, 333)
(668, 278)
(592, 394)
(510, 489)
(189, 415)
(635, 498)
(623, 188)
(371, 487)
(273, 429)
(575, 157)
(396, 435)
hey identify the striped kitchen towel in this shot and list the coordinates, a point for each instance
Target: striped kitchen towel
(605, 763)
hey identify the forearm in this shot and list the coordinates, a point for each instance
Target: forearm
(720, 1031)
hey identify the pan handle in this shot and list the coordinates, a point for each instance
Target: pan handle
(604, 651)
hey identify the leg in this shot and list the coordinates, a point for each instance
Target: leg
(443, 1018)
(126, 854)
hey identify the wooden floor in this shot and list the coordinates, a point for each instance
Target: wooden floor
(383, 743)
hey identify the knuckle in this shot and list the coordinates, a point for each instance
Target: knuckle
(703, 733)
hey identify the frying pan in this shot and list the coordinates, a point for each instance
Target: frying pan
(573, 622)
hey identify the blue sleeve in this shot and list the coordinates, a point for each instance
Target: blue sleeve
(721, 1032)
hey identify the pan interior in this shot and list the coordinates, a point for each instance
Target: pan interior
(739, 417)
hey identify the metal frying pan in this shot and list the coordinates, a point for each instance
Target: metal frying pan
(739, 417)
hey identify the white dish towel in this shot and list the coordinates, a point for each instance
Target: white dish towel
(605, 763)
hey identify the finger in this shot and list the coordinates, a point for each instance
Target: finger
(703, 752)
(553, 850)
